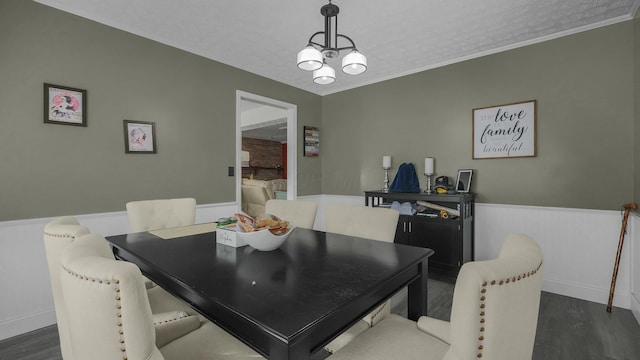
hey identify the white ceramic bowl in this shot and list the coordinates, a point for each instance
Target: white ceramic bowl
(263, 240)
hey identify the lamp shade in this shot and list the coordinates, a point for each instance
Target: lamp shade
(245, 159)
(309, 59)
(325, 75)
(354, 63)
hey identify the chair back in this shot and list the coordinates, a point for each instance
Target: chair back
(254, 199)
(362, 221)
(106, 303)
(299, 213)
(148, 215)
(57, 235)
(495, 304)
(369, 223)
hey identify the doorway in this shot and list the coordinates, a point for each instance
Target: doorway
(258, 114)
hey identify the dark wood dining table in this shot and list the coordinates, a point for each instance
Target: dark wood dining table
(286, 303)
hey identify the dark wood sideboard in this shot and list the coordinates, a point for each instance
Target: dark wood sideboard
(451, 238)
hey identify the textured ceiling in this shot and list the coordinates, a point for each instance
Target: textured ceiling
(398, 38)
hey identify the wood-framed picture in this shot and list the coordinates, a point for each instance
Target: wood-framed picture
(139, 137)
(65, 105)
(505, 131)
(311, 141)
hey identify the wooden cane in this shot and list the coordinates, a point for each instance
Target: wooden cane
(623, 230)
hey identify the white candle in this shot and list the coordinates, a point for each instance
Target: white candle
(386, 162)
(428, 166)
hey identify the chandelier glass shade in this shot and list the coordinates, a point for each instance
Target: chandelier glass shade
(354, 63)
(325, 75)
(315, 55)
(310, 59)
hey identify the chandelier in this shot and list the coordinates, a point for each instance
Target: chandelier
(315, 55)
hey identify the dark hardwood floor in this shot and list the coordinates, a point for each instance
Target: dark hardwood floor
(568, 328)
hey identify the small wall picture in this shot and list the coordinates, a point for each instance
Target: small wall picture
(311, 141)
(139, 137)
(65, 105)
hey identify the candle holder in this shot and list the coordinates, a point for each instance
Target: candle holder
(385, 187)
(428, 189)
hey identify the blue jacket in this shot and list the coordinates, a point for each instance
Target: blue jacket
(406, 179)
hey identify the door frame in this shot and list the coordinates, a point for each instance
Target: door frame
(292, 142)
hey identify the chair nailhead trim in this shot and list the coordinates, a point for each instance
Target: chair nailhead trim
(116, 283)
(70, 236)
(170, 320)
(373, 316)
(483, 291)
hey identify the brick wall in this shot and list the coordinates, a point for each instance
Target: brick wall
(264, 154)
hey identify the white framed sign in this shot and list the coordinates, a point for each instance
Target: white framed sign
(505, 131)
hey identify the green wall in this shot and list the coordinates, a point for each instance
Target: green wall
(636, 167)
(52, 170)
(584, 87)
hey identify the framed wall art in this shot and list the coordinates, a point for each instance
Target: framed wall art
(505, 131)
(65, 105)
(139, 137)
(311, 141)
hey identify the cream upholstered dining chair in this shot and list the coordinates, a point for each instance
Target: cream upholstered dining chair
(254, 199)
(109, 316)
(494, 315)
(148, 215)
(57, 235)
(362, 221)
(299, 213)
(365, 222)
(61, 232)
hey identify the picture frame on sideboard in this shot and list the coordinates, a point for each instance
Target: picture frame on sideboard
(463, 181)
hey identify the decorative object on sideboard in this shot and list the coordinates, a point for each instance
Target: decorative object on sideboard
(65, 105)
(139, 137)
(505, 131)
(386, 165)
(428, 172)
(315, 55)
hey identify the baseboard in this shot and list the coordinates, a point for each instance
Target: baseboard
(18, 326)
(579, 291)
(635, 307)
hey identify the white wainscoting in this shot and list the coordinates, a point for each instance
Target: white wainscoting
(26, 302)
(579, 248)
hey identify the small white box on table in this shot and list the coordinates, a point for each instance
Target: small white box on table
(227, 236)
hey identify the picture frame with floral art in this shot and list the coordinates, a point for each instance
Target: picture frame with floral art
(139, 137)
(65, 105)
